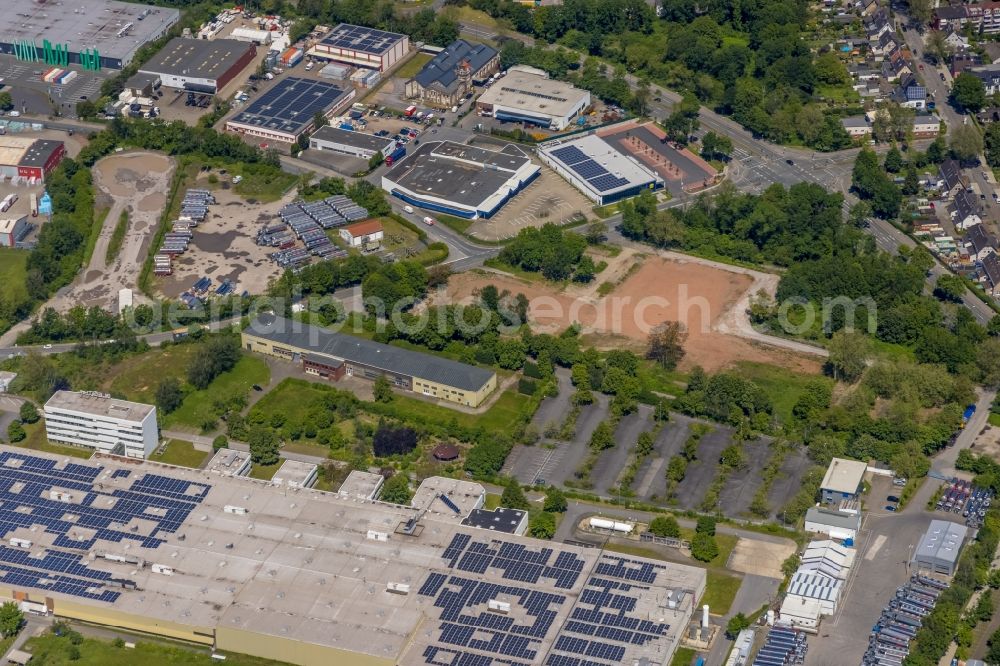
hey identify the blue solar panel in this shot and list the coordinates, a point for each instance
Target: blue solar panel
(605, 182)
(569, 155)
(171, 500)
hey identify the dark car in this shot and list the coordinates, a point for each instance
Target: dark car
(789, 162)
(257, 387)
(890, 507)
(891, 498)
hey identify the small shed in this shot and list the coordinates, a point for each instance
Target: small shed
(18, 657)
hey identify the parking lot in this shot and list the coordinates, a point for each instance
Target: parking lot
(31, 95)
(960, 497)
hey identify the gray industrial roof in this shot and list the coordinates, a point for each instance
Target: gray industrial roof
(942, 541)
(197, 58)
(500, 519)
(84, 24)
(365, 352)
(361, 39)
(440, 73)
(840, 519)
(351, 138)
(456, 172)
(291, 105)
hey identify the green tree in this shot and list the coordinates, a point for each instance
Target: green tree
(665, 343)
(555, 500)
(542, 525)
(169, 395)
(791, 564)
(849, 352)
(382, 389)
(320, 120)
(513, 496)
(949, 288)
(602, 438)
(263, 445)
(966, 143)
(911, 181)
(704, 548)
(28, 412)
(676, 468)
(665, 526)
(86, 109)
(396, 489)
(15, 432)
(893, 160)
(968, 93)
(705, 525)
(11, 619)
(376, 160)
(736, 624)
(220, 442)
(6, 101)
(733, 457)
(716, 147)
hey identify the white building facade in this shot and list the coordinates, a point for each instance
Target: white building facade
(102, 423)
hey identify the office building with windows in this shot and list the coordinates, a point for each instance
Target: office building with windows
(100, 422)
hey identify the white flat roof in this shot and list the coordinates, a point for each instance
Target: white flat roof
(361, 485)
(844, 476)
(293, 473)
(99, 404)
(227, 461)
(465, 495)
(579, 155)
(534, 94)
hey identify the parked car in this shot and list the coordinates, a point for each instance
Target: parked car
(890, 507)
(891, 498)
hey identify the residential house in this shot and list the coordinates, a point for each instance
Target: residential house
(863, 72)
(956, 41)
(989, 115)
(953, 180)
(964, 62)
(885, 45)
(926, 127)
(991, 52)
(897, 65)
(910, 93)
(965, 211)
(878, 24)
(856, 126)
(991, 274)
(983, 17)
(980, 242)
(990, 76)
(867, 7)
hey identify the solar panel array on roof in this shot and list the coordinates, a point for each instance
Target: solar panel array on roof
(782, 646)
(361, 39)
(291, 105)
(25, 501)
(517, 562)
(588, 169)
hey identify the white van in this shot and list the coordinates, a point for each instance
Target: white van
(408, 209)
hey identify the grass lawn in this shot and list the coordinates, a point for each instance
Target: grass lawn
(683, 657)
(720, 590)
(136, 378)
(459, 224)
(531, 276)
(265, 186)
(54, 650)
(994, 419)
(783, 386)
(396, 235)
(491, 502)
(500, 416)
(117, 238)
(838, 93)
(726, 543)
(37, 441)
(264, 472)
(412, 66)
(13, 269)
(197, 406)
(180, 453)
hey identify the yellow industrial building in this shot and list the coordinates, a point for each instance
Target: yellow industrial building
(329, 355)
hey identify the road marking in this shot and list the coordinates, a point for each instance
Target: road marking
(875, 547)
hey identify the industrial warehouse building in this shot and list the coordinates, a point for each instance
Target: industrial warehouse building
(313, 578)
(599, 170)
(94, 34)
(836, 523)
(460, 180)
(500, 519)
(528, 95)
(100, 422)
(13, 230)
(348, 142)
(842, 480)
(289, 109)
(200, 65)
(24, 157)
(450, 74)
(940, 547)
(362, 47)
(330, 355)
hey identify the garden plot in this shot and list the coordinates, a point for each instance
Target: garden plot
(700, 473)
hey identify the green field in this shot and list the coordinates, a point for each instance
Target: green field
(13, 268)
(180, 453)
(683, 657)
(459, 224)
(994, 419)
(720, 590)
(264, 186)
(52, 650)
(491, 502)
(37, 441)
(136, 378)
(197, 407)
(117, 238)
(411, 67)
(784, 387)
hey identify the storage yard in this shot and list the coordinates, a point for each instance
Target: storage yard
(301, 230)
(324, 579)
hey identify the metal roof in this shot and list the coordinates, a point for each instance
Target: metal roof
(351, 138)
(942, 542)
(361, 39)
(843, 476)
(291, 105)
(197, 58)
(324, 342)
(441, 72)
(833, 518)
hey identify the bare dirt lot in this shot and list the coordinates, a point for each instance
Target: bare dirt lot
(137, 182)
(223, 246)
(649, 291)
(761, 558)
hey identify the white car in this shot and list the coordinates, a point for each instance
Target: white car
(14, 114)
(47, 346)
(237, 180)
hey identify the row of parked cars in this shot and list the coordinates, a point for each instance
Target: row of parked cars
(889, 641)
(960, 496)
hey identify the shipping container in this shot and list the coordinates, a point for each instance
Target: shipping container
(291, 57)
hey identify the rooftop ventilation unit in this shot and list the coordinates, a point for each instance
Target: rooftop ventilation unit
(397, 588)
(162, 569)
(498, 606)
(377, 536)
(20, 543)
(238, 510)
